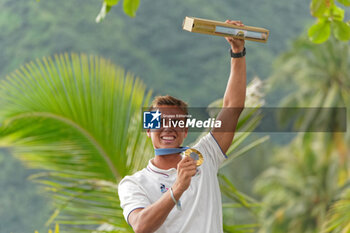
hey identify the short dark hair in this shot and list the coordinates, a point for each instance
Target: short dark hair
(170, 101)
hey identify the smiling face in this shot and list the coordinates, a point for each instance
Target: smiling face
(168, 137)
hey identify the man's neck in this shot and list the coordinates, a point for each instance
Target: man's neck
(166, 162)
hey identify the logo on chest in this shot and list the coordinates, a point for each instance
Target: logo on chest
(163, 189)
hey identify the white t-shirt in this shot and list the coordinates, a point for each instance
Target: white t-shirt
(201, 202)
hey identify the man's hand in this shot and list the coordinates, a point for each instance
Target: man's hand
(237, 45)
(186, 168)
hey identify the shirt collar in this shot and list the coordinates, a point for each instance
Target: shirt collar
(157, 171)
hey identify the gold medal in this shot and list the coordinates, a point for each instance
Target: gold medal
(195, 154)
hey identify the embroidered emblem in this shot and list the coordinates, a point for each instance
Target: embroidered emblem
(163, 189)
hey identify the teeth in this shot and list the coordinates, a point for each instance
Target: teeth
(168, 138)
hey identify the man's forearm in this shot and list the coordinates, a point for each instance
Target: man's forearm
(233, 101)
(236, 87)
(152, 217)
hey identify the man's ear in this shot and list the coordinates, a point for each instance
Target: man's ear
(148, 133)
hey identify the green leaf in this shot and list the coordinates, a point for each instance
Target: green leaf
(336, 13)
(111, 2)
(318, 8)
(131, 6)
(320, 32)
(341, 30)
(344, 2)
(231, 192)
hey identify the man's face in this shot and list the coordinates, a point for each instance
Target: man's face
(168, 137)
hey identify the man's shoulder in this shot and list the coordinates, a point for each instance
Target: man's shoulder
(137, 178)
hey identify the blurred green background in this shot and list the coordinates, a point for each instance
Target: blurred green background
(295, 178)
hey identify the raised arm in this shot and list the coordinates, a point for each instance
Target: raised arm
(233, 102)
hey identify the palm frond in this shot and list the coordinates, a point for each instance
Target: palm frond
(339, 215)
(77, 118)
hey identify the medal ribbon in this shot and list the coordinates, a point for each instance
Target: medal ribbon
(168, 151)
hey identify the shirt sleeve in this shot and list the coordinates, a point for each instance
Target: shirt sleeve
(131, 196)
(211, 150)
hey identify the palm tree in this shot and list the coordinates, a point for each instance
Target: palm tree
(77, 118)
(299, 189)
(310, 173)
(316, 76)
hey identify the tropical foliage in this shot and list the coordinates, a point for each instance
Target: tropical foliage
(339, 215)
(298, 191)
(317, 76)
(77, 118)
(329, 16)
(312, 172)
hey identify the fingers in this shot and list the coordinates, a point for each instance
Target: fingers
(187, 166)
(186, 161)
(191, 166)
(235, 22)
(237, 44)
(190, 172)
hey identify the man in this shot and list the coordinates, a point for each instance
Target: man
(173, 195)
